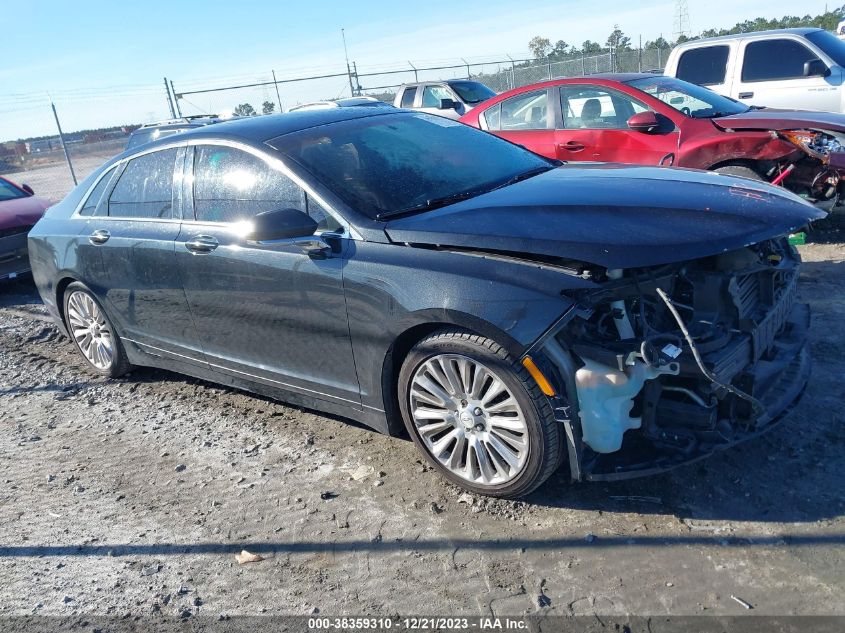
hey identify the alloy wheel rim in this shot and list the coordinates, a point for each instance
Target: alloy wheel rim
(90, 330)
(468, 419)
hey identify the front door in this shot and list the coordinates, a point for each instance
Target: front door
(595, 128)
(264, 311)
(772, 75)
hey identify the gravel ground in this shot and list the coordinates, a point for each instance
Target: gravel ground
(132, 497)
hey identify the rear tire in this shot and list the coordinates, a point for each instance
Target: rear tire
(739, 170)
(477, 415)
(93, 333)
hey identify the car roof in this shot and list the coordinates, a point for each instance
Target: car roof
(753, 34)
(258, 129)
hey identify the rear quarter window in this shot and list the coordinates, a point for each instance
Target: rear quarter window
(704, 66)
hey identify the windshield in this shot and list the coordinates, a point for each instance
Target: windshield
(388, 164)
(9, 192)
(472, 92)
(831, 45)
(687, 98)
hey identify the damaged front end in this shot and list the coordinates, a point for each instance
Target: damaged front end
(665, 365)
(817, 172)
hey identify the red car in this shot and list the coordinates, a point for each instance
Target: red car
(656, 120)
(19, 210)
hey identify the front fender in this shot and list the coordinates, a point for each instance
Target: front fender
(392, 290)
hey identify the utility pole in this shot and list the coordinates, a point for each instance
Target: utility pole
(469, 75)
(348, 69)
(681, 18)
(278, 98)
(358, 89)
(169, 100)
(416, 75)
(176, 100)
(513, 72)
(64, 147)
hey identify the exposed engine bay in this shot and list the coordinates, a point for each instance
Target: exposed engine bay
(671, 363)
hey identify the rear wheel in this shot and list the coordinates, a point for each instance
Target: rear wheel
(477, 415)
(739, 170)
(93, 333)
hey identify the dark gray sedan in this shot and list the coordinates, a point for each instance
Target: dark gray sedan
(418, 275)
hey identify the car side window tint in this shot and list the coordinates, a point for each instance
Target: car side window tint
(433, 94)
(231, 185)
(145, 188)
(492, 117)
(90, 205)
(408, 97)
(594, 107)
(525, 112)
(705, 66)
(769, 60)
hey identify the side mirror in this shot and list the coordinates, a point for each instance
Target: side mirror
(644, 122)
(449, 104)
(815, 68)
(28, 189)
(281, 224)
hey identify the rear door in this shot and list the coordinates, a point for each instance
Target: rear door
(708, 66)
(595, 128)
(771, 74)
(526, 119)
(266, 311)
(134, 231)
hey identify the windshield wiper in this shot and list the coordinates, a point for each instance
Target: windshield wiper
(430, 204)
(526, 175)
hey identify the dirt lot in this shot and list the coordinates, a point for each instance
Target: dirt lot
(131, 497)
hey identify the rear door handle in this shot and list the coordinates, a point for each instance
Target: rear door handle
(572, 146)
(100, 236)
(202, 244)
(745, 95)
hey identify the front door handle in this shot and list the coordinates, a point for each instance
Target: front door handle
(745, 95)
(100, 236)
(572, 146)
(200, 244)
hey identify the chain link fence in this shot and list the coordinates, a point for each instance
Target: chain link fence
(41, 162)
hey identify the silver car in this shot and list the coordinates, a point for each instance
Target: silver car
(451, 99)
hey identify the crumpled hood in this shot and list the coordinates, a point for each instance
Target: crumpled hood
(774, 119)
(21, 211)
(618, 216)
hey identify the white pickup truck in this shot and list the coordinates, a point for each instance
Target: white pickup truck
(452, 98)
(801, 69)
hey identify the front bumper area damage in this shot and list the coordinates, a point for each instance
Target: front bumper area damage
(14, 257)
(649, 383)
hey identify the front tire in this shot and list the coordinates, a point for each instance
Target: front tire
(477, 415)
(93, 333)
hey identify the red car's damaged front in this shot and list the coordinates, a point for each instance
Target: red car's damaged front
(656, 120)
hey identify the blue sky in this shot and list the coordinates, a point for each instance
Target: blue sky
(103, 62)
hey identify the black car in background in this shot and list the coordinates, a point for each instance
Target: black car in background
(418, 275)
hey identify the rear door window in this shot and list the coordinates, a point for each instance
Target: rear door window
(145, 188)
(705, 66)
(408, 97)
(770, 60)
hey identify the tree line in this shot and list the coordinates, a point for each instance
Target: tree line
(618, 42)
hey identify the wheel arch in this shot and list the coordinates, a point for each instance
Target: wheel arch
(425, 324)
